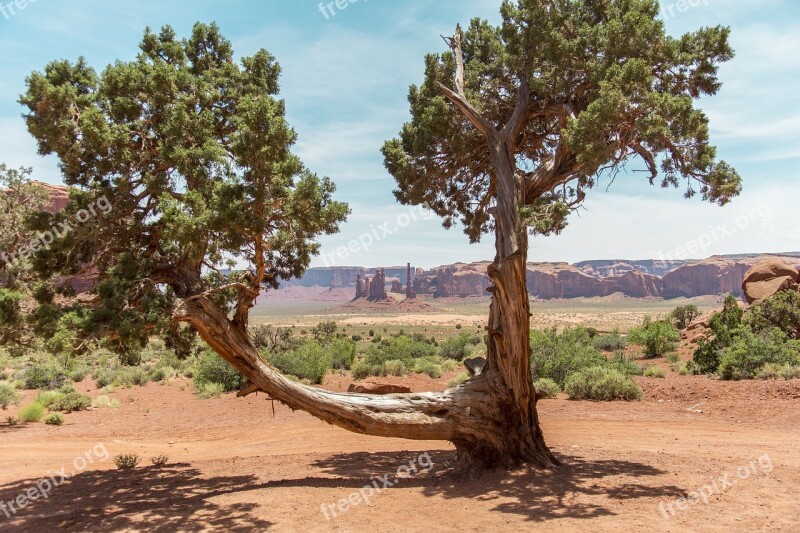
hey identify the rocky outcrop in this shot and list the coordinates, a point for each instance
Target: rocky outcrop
(767, 278)
(711, 276)
(397, 287)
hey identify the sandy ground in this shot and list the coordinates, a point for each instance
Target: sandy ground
(234, 465)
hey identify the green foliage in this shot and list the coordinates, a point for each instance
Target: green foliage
(556, 356)
(54, 419)
(608, 85)
(208, 390)
(71, 402)
(684, 315)
(12, 322)
(657, 337)
(103, 401)
(655, 372)
(211, 368)
(126, 461)
(8, 395)
(458, 380)
(394, 367)
(48, 398)
(602, 384)
(400, 348)
(309, 361)
(750, 352)
(609, 342)
(33, 412)
(429, 367)
(706, 357)
(781, 310)
(324, 331)
(547, 387)
(43, 373)
(625, 364)
(457, 348)
(342, 353)
(159, 461)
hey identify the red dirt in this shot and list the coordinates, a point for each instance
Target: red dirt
(236, 466)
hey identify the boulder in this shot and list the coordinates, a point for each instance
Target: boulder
(767, 278)
(378, 388)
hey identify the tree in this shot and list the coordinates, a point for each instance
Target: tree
(724, 326)
(684, 315)
(509, 131)
(20, 201)
(658, 337)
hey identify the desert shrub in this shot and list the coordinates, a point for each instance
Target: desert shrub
(324, 330)
(684, 315)
(308, 361)
(673, 357)
(781, 310)
(656, 337)
(8, 395)
(48, 397)
(547, 387)
(103, 402)
(681, 367)
(624, 364)
(458, 380)
(208, 390)
(456, 348)
(706, 357)
(12, 420)
(556, 356)
(130, 376)
(362, 369)
(126, 461)
(270, 338)
(655, 372)
(356, 338)
(78, 374)
(394, 367)
(458, 326)
(43, 373)
(399, 348)
(104, 377)
(426, 366)
(157, 374)
(130, 358)
(602, 384)
(71, 402)
(33, 412)
(342, 353)
(609, 342)
(159, 461)
(750, 352)
(55, 419)
(211, 368)
(372, 333)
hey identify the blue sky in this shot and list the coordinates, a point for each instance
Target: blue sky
(345, 81)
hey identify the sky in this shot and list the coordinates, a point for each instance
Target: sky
(346, 74)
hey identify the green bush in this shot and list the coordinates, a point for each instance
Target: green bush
(556, 356)
(782, 311)
(55, 419)
(48, 398)
(79, 374)
(456, 348)
(394, 367)
(211, 368)
(655, 372)
(32, 412)
(656, 337)
(399, 348)
(208, 390)
(609, 342)
(43, 374)
(126, 461)
(8, 395)
(706, 357)
(308, 361)
(750, 352)
(342, 353)
(547, 387)
(776, 371)
(71, 402)
(426, 366)
(624, 364)
(602, 384)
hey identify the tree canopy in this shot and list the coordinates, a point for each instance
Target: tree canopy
(193, 152)
(605, 87)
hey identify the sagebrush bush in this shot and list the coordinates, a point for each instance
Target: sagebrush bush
(208, 390)
(609, 342)
(103, 401)
(394, 367)
(159, 461)
(457, 348)
(426, 366)
(32, 412)
(47, 397)
(458, 380)
(342, 353)
(781, 310)
(655, 372)
(555, 356)
(308, 361)
(602, 384)
(547, 387)
(624, 364)
(211, 368)
(43, 374)
(126, 461)
(55, 419)
(71, 402)
(8, 395)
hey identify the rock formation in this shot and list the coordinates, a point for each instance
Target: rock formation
(397, 287)
(767, 278)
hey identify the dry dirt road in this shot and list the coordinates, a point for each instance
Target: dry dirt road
(236, 466)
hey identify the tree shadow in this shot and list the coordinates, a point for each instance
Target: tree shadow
(535, 494)
(174, 498)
